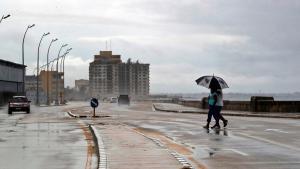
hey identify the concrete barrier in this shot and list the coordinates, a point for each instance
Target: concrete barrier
(191, 103)
(236, 105)
(257, 104)
(277, 106)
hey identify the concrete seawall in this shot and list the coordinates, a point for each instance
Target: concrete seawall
(255, 105)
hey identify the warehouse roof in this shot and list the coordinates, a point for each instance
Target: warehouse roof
(11, 64)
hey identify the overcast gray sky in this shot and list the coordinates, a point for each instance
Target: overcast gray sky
(253, 44)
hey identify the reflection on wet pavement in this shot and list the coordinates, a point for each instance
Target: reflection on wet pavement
(264, 143)
(43, 139)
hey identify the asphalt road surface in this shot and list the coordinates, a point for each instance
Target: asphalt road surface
(247, 142)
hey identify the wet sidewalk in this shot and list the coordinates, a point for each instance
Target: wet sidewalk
(169, 107)
(127, 149)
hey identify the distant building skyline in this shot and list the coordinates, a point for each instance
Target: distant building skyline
(82, 85)
(110, 77)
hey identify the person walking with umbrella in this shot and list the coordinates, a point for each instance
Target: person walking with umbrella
(218, 105)
(215, 99)
(212, 100)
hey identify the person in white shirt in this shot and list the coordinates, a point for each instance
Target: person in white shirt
(215, 101)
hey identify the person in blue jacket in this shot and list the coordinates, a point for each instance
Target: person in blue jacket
(215, 103)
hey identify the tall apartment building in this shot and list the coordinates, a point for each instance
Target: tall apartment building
(110, 77)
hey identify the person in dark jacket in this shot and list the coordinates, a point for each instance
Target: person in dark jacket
(212, 98)
(215, 102)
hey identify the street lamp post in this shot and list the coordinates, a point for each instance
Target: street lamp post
(53, 40)
(64, 45)
(4, 17)
(37, 67)
(28, 27)
(64, 59)
(63, 68)
(52, 65)
(33, 72)
(62, 64)
(61, 61)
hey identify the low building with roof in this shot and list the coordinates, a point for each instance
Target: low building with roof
(11, 80)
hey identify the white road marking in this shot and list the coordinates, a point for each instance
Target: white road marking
(270, 141)
(237, 151)
(226, 149)
(277, 130)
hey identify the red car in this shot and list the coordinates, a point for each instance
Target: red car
(19, 103)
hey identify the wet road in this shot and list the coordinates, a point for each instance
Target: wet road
(48, 138)
(45, 138)
(247, 143)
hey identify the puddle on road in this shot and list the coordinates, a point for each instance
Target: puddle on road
(221, 132)
(57, 143)
(203, 152)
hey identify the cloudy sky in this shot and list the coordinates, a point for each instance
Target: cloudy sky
(253, 44)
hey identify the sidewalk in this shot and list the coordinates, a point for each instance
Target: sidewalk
(169, 107)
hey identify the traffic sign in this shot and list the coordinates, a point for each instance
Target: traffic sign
(94, 102)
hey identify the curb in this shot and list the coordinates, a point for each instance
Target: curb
(177, 111)
(72, 115)
(100, 149)
(226, 114)
(83, 116)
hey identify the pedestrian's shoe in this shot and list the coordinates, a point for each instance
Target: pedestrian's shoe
(216, 126)
(225, 122)
(206, 126)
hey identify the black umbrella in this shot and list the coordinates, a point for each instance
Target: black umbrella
(212, 82)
